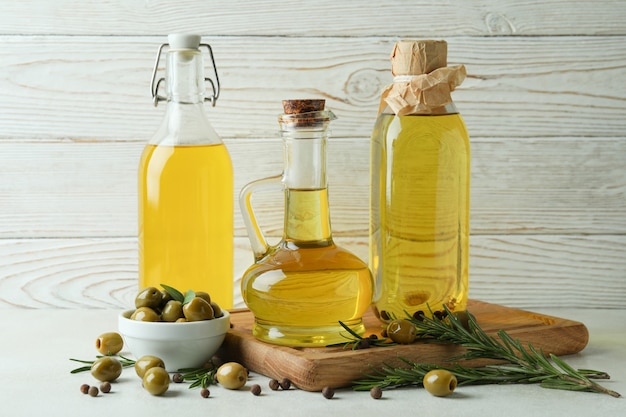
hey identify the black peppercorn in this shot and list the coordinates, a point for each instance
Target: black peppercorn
(274, 385)
(84, 388)
(328, 392)
(363, 343)
(285, 383)
(105, 387)
(177, 378)
(93, 391)
(204, 393)
(376, 393)
(255, 390)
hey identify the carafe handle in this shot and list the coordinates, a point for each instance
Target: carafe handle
(258, 242)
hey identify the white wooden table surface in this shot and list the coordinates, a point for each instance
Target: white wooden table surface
(36, 379)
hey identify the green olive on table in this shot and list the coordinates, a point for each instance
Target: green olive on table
(198, 309)
(109, 343)
(172, 311)
(106, 368)
(149, 297)
(143, 364)
(232, 375)
(156, 381)
(144, 314)
(439, 382)
(402, 331)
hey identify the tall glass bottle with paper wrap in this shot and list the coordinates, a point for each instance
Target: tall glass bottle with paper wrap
(301, 288)
(186, 183)
(420, 173)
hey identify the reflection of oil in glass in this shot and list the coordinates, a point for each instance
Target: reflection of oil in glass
(315, 283)
(185, 238)
(419, 233)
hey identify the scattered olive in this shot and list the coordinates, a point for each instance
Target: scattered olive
(105, 387)
(149, 297)
(143, 364)
(178, 378)
(109, 343)
(376, 393)
(93, 391)
(198, 309)
(274, 385)
(204, 393)
(84, 388)
(106, 368)
(328, 392)
(156, 380)
(285, 383)
(232, 375)
(144, 314)
(255, 390)
(439, 382)
(402, 331)
(172, 311)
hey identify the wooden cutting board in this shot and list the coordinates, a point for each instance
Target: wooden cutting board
(312, 369)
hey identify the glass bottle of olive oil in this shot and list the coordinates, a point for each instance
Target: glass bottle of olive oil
(302, 287)
(420, 173)
(186, 185)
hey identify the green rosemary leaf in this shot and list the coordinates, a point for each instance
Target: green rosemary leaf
(174, 293)
(524, 364)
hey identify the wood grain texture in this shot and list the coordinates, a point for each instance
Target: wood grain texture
(97, 88)
(532, 186)
(512, 270)
(544, 102)
(405, 18)
(312, 369)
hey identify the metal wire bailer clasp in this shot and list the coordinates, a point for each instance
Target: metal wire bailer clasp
(154, 84)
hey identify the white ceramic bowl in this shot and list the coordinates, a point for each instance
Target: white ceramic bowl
(179, 345)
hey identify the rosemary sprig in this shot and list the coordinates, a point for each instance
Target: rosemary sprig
(356, 341)
(525, 364)
(123, 360)
(199, 377)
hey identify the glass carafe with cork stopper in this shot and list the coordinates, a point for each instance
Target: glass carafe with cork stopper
(300, 289)
(186, 186)
(420, 173)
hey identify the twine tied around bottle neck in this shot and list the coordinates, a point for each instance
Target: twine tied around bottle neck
(411, 94)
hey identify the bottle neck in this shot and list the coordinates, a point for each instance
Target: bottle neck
(185, 121)
(307, 215)
(185, 76)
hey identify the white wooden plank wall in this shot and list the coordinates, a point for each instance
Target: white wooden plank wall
(544, 101)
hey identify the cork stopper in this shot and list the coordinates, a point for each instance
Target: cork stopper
(303, 106)
(410, 57)
(305, 113)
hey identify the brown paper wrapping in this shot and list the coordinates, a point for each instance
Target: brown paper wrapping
(423, 81)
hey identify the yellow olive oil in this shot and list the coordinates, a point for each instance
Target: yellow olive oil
(419, 225)
(186, 219)
(306, 284)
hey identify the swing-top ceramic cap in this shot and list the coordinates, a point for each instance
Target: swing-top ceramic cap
(411, 57)
(183, 41)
